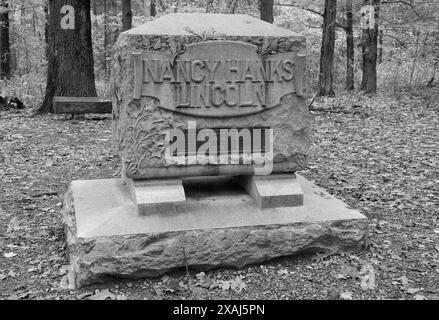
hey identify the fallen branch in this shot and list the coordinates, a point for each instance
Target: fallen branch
(46, 193)
(317, 109)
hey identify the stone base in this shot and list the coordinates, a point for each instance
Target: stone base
(223, 227)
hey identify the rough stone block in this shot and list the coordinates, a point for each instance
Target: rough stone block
(223, 227)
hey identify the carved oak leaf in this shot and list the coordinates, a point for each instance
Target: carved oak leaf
(172, 45)
(157, 154)
(144, 44)
(157, 44)
(142, 148)
(163, 127)
(265, 46)
(301, 161)
(268, 45)
(116, 92)
(132, 168)
(134, 109)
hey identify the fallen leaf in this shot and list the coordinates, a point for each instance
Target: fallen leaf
(205, 281)
(200, 275)
(84, 295)
(172, 286)
(13, 225)
(404, 280)
(282, 272)
(13, 297)
(12, 274)
(9, 255)
(165, 278)
(413, 290)
(346, 295)
(64, 270)
(348, 271)
(103, 295)
(238, 285)
(225, 285)
(64, 283)
(196, 291)
(367, 275)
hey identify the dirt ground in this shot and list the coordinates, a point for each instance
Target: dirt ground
(380, 155)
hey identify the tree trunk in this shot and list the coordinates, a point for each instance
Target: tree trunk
(370, 52)
(46, 24)
(266, 10)
(5, 46)
(380, 46)
(69, 54)
(106, 42)
(153, 8)
(327, 49)
(127, 15)
(350, 54)
(95, 7)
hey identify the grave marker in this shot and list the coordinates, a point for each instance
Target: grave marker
(211, 124)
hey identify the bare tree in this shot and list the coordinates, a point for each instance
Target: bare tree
(350, 53)
(5, 46)
(327, 49)
(94, 7)
(266, 10)
(69, 53)
(127, 15)
(153, 8)
(106, 38)
(370, 50)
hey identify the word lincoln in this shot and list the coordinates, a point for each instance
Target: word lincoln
(224, 146)
(213, 83)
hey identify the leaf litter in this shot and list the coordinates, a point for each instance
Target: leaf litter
(383, 162)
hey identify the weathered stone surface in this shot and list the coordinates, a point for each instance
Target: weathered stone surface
(142, 120)
(189, 24)
(106, 238)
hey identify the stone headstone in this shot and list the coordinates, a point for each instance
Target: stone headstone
(198, 95)
(191, 72)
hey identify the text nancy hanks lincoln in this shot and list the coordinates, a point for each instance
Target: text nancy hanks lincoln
(207, 83)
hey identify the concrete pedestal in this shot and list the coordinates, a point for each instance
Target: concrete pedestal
(223, 226)
(157, 196)
(273, 191)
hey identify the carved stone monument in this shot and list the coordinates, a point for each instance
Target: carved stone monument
(211, 124)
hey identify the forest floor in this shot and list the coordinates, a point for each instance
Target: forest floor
(379, 154)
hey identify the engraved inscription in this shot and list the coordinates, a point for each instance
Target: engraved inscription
(218, 79)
